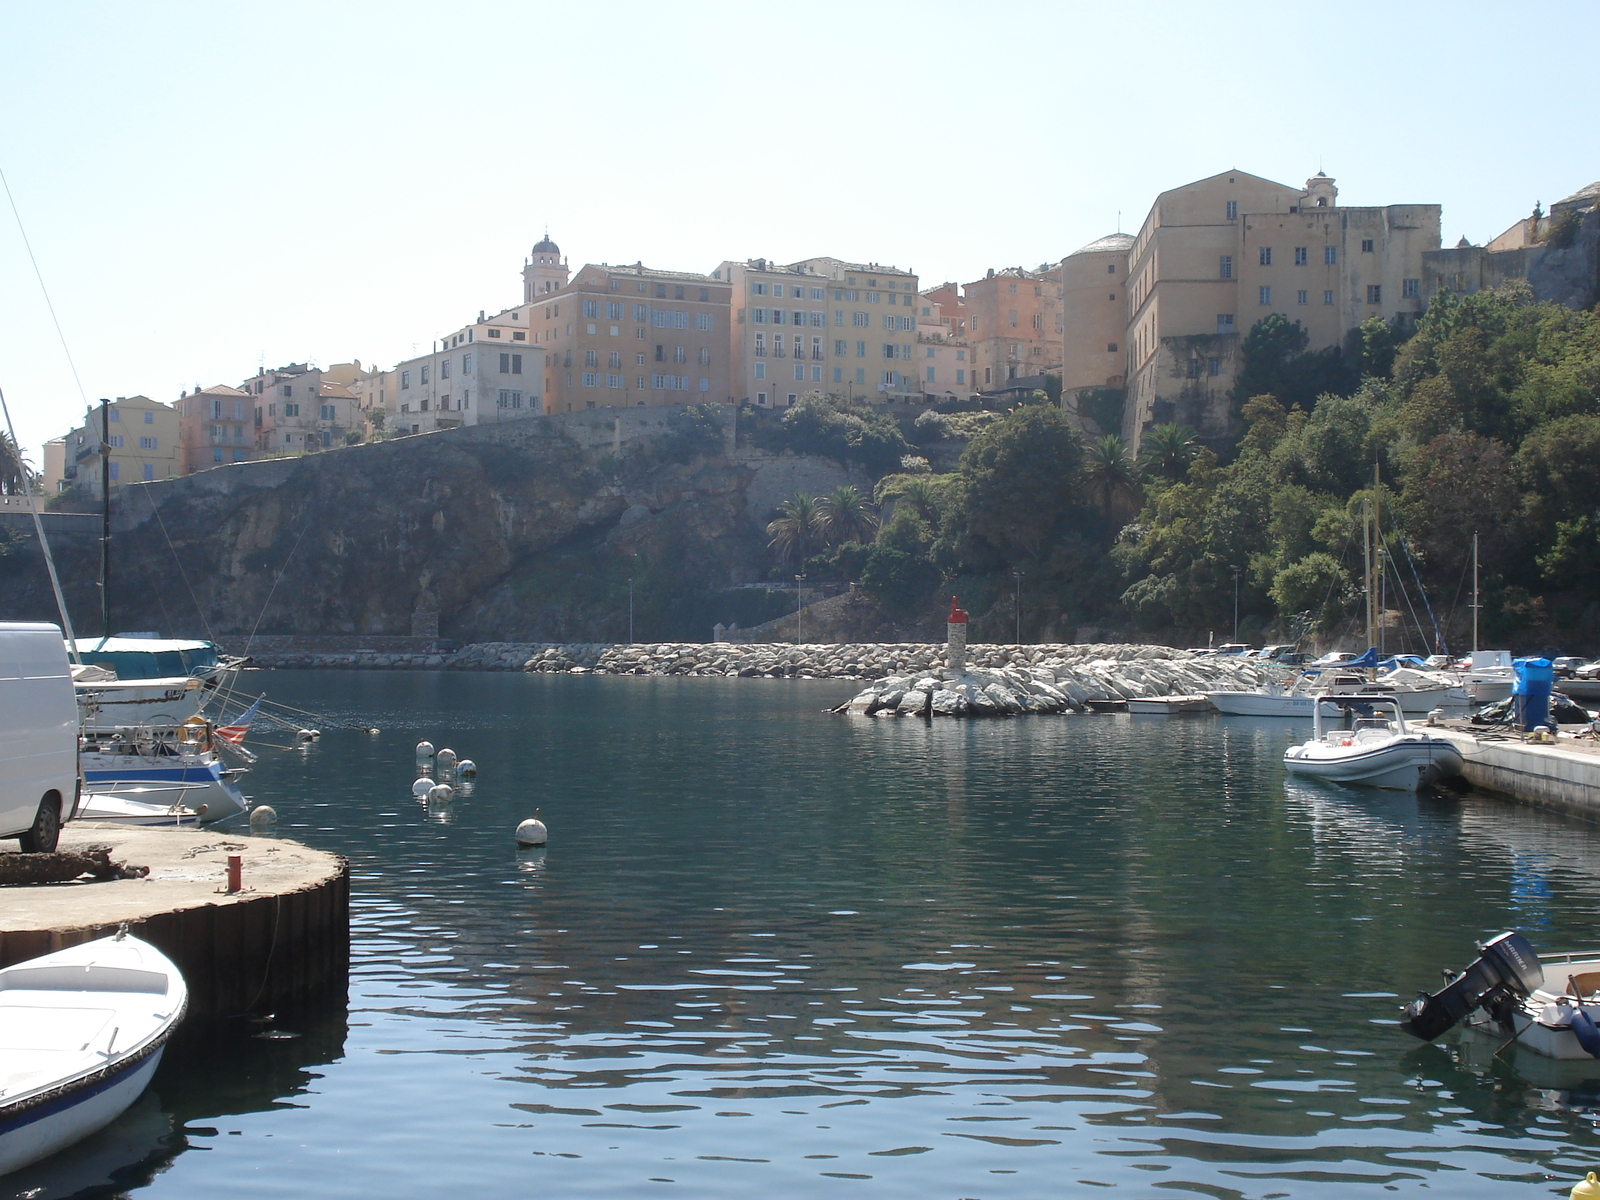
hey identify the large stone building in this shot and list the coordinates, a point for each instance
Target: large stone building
(483, 372)
(871, 340)
(216, 425)
(141, 440)
(300, 409)
(778, 333)
(1014, 324)
(1214, 257)
(942, 350)
(1556, 255)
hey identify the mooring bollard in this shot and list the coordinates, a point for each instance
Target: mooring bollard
(235, 873)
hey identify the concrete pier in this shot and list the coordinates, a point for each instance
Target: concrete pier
(284, 937)
(1564, 776)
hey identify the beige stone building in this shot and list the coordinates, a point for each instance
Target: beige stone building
(143, 442)
(301, 409)
(1556, 254)
(216, 425)
(779, 340)
(942, 352)
(871, 340)
(482, 373)
(53, 468)
(1214, 257)
(1014, 324)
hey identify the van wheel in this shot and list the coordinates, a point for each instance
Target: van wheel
(45, 833)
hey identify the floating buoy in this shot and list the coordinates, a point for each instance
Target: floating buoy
(422, 786)
(424, 750)
(263, 814)
(532, 831)
(439, 793)
(466, 768)
(446, 758)
(374, 731)
(308, 735)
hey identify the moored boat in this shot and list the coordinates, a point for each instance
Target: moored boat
(1168, 706)
(1376, 752)
(173, 756)
(83, 1030)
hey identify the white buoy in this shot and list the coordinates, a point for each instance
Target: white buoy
(532, 831)
(422, 787)
(424, 750)
(374, 731)
(466, 768)
(308, 735)
(446, 758)
(439, 793)
(262, 814)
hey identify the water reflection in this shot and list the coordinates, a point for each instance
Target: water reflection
(769, 949)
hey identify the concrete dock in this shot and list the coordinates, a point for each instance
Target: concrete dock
(283, 938)
(1563, 776)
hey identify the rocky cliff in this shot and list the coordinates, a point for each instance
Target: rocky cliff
(526, 531)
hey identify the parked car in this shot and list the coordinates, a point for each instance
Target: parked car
(1335, 658)
(1292, 659)
(1233, 649)
(1567, 664)
(38, 735)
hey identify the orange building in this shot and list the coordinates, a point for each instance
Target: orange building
(1014, 324)
(216, 425)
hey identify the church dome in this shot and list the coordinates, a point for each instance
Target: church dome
(546, 246)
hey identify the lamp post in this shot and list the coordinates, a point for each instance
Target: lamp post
(1235, 571)
(630, 610)
(798, 581)
(1017, 604)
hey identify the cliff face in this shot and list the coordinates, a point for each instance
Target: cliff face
(529, 531)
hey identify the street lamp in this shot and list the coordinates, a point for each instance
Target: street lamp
(798, 580)
(1235, 571)
(1017, 604)
(630, 610)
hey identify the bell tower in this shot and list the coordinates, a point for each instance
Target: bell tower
(545, 270)
(1320, 193)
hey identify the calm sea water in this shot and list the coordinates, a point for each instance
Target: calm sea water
(774, 952)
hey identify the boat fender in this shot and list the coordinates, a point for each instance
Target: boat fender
(1557, 1016)
(1583, 1029)
(1587, 1188)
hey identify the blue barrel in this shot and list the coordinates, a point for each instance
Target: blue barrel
(1535, 678)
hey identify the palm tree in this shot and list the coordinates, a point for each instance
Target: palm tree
(791, 531)
(15, 473)
(919, 491)
(1108, 471)
(1168, 450)
(842, 516)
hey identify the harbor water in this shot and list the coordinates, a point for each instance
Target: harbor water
(771, 951)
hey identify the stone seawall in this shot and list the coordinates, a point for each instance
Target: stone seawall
(907, 676)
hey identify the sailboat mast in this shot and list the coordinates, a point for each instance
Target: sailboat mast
(1475, 604)
(105, 518)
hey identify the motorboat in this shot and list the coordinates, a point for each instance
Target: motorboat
(106, 701)
(138, 804)
(1377, 751)
(174, 756)
(145, 656)
(82, 1031)
(1547, 1004)
(1296, 698)
(1488, 676)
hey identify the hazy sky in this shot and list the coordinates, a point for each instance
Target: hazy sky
(210, 187)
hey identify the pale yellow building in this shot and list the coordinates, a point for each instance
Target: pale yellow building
(871, 340)
(142, 436)
(1094, 292)
(943, 355)
(1213, 258)
(300, 409)
(778, 334)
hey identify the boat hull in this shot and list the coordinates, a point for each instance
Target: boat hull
(195, 783)
(42, 1131)
(1261, 704)
(1168, 706)
(1403, 765)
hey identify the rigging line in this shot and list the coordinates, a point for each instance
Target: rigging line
(1413, 564)
(184, 575)
(275, 582)
(38, 528)
(39, 275)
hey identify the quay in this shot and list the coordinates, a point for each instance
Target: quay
(1564, 776)
(284, 937)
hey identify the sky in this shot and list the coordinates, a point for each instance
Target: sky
(209, 188)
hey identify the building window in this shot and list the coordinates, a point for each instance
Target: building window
(1265, 295)
(1302, 297)
(702, 322)
(861, 374)
(291, 410)
(216, 455)
(589, 359)
(961, 375)
(405, 379)
(466, 364)
(1411, 289)
(147, 443)
(761, 370)
(961, 355)
(494, 333)
(799, 373)
(510, 399)
(289, 391)
(1330, 256)
(424, 376)
(444, 369)
(1224, 322)
(705, 356)
(930, 375)
(591, 308)
(1011, 317)
(1374, 293)
(1366, 245)
(1225, 267)
(1302, 256)
(758, 316)
(838, 374)
(1111, 347)
(1233, 210)
(591, 379)
(1327, 297)
(1266, 256)
(1213, 366)
(149, 418)
(759, 289)
(327, 412)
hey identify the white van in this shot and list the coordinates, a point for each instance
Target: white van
(38, 735)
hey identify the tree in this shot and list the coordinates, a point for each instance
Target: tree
(792, 530)
(1316, 584)
(1108, 471)
(1168, 450)
(1456, 485)
(16, 476)
(1275, 362)
(920, 492)
(1018, 478)
(842, 516)
(898, 579)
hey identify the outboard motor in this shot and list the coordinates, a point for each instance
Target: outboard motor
(1507, 969)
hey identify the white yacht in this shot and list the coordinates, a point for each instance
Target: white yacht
(1377, 751)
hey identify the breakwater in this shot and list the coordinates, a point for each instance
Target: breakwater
(906, 676)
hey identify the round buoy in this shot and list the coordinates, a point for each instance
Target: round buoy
(262, 814)
(439, 793)
(308, 735)
(424, 750)
(466, 768)
(532, 831)
(446, 758)
(422, 786)
(374, 731)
